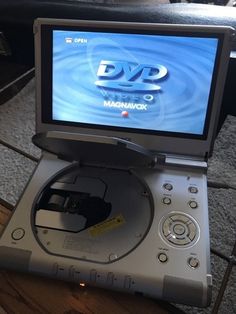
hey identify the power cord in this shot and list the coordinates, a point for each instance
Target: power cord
(220, 185)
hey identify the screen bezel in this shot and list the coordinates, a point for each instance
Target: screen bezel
(149, 139)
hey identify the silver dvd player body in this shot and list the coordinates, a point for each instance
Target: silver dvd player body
(119, 197)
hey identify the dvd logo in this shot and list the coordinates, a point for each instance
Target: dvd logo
(121, 76)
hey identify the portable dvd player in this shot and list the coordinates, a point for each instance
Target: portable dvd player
(126, 119)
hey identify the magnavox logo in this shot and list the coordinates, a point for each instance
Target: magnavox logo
(124, 105)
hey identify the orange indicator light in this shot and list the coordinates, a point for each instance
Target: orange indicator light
(82, 284)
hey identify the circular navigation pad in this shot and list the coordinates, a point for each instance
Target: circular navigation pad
(179, 229)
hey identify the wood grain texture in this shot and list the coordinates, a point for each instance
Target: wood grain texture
(26, 294)
(5, 215)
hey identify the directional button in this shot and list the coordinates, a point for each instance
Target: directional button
(192, 231)
(166, 227)
(181, 242)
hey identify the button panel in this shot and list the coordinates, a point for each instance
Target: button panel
(179, 229)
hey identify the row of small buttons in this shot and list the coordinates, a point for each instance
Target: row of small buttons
(193, 262)
(75, 275)
(167, 201)
(169, 187)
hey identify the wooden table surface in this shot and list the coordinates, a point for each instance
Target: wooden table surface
(26, 293)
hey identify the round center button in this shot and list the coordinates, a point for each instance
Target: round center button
(179, 229)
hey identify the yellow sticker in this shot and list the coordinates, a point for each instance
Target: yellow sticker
(107, 225)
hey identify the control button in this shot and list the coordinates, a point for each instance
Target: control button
(168, 186)
(127, 282)
(61, 272)
(18, 234)
(112, 257)
(180, 242)
(193, 189)
(179, 217)
(162, 257)
(110, 279)
(74, 274)
(179, 229)
(166, 201)
(192, 231)
(193, 204)
(71, 272)
(166, 227)
(193, 262)
(54, 269)
(93, 275)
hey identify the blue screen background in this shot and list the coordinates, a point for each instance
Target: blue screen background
(179, 106)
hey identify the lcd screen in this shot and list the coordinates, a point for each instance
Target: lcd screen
(136, 82)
